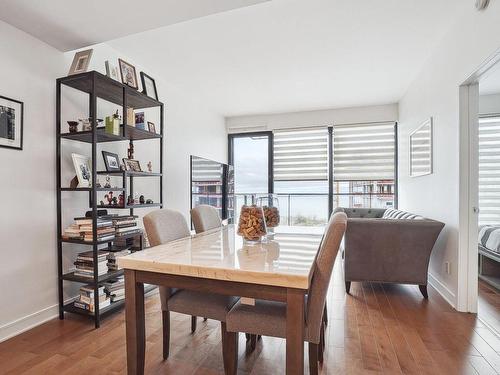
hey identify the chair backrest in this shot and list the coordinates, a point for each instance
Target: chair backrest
(204, 218)
(164, 226)
(323, 268)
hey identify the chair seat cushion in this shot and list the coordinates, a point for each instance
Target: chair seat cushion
(208, 305)
(266, 318)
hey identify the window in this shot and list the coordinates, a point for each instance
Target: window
(489, 167)
(300, 158)
(364, 165)
(360, 160)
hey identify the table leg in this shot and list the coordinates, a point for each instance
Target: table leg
(135, 327)
(294, 332)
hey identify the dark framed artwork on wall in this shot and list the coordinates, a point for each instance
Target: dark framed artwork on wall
(11, 123)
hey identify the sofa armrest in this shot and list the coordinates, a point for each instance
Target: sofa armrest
(389, 250)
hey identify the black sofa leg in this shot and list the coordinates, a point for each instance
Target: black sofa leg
(347, 286)
(423, 290)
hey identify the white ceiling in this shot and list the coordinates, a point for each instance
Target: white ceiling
(69, 25)
(292, 55)
(277, 56)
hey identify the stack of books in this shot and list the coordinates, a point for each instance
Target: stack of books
(86, 299)
(82, 229)
(115, 289)
(85, 264)
(113, 255)
(125, 225)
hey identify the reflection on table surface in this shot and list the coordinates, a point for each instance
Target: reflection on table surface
(222, 254)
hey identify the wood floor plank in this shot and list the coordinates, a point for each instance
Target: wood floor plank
(378, 329)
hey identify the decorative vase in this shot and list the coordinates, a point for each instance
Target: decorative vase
(270, 206)
(252, 225)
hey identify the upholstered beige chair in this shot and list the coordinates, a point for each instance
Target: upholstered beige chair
(268, 318)
(163, 226)
(204, 218)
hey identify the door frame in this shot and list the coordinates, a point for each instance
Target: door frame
(467, 289)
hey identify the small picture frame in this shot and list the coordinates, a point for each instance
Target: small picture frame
(149, 86)
(128, 74)
(132, 165)
(112, 70)
(111, 161)
(11, 123)
(83, 170)
(151, 127)
(81, 62)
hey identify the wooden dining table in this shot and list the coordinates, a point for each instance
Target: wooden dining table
(279, 268)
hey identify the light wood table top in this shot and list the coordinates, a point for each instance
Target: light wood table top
(286, 260)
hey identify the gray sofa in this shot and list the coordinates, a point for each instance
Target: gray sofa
(388, 246)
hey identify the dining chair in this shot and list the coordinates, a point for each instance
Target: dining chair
(167, 225)
(268, 318)
(205, 217)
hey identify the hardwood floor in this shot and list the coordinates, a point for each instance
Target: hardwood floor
(489, 306)
(378, 329)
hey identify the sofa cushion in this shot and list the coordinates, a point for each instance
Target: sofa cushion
(391, 213)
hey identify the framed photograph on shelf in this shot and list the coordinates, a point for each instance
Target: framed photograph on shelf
(149, 86)
(83, 170)
(151, 127)
(112, 71)
(111, 161)
(129, 76)
(11, 123)
(132, 165)
(81, 62)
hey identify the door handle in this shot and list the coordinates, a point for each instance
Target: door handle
(475, 210)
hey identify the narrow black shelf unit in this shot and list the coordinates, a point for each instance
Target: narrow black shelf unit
(97, 85)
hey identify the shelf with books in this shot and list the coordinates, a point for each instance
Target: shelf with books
(70, 306)
(91, 268)
(70, 276)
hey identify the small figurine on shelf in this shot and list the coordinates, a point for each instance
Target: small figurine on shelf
(136, 198)
(109, 197)
(73, 126)
(149, 201)
(130, 200)
(142, 200)
(130, 151)
(150, 167)
(98, 184)
(121, 200)
(107, 185)
(114, 201)
(102, 203)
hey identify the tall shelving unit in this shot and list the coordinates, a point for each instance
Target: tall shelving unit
(97, 85)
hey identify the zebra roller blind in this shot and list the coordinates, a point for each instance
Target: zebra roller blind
(489, 170)
(300, 154)
(364, 152)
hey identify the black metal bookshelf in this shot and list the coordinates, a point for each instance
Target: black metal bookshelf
(97, 85)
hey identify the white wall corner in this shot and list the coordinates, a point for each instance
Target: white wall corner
(442, 289)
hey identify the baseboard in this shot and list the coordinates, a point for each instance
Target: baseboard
(442, 289)
(30, 321)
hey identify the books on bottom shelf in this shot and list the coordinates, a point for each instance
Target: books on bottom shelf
(115, 289)
(86, 299)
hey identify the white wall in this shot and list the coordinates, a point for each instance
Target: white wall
(435, 92)
(353, 115)
(28, 271)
